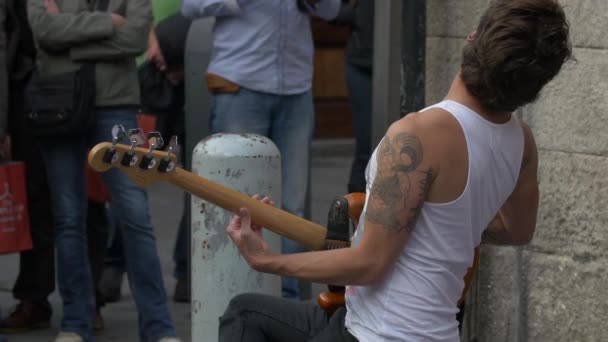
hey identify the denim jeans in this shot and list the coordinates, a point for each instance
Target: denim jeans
(260, 318)
(64, 159)
(287, 120)
(181, 255)
(114, 256)
(359, 82)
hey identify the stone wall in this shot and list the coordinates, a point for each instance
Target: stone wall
(555, 288)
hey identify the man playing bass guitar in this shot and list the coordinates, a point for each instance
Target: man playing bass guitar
(441, 180)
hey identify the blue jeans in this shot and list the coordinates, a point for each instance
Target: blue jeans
(287, 120)
(115, 253)
(181, 255)
(64, 159)
(359, 82)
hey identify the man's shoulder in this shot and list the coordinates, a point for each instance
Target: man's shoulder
(430, 120)
(437, 130)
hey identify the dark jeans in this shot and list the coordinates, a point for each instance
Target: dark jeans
(114, 255)
(359, 82)
(259, 318)
(168, 126)
(36, 278)
(64, 159)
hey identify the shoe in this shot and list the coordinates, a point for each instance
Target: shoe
(110, 284)
(182, 291)
(68, 337)
(98, 324)
(169, 339)
(27, 316)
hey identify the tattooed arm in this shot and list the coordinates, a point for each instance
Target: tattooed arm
(515, 222)
(404, 176)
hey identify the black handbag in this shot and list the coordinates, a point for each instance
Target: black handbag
(61, 104)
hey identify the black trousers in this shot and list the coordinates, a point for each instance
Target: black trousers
(36, 279)
(261, 318)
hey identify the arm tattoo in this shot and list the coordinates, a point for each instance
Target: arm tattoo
(400, 187)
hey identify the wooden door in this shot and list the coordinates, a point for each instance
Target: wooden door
(333, 112)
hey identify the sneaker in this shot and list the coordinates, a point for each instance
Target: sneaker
(68, 337)
(182, 291)
(110, 284)
(169, 339)
(98, 324)
(26, 316)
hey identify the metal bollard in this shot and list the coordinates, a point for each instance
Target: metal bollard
(250, 164)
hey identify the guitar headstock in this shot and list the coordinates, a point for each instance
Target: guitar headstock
(143, 166)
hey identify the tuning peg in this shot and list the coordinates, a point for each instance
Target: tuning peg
(118, 134)
(174, 147)
(155, 140)
(168, 164)
(136, 138)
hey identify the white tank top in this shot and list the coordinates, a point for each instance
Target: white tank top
(418, 299)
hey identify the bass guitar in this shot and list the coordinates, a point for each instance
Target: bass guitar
(145, 166)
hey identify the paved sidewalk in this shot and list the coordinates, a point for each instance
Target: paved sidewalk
(330, 170)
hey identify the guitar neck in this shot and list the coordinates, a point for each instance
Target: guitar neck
(293, 227)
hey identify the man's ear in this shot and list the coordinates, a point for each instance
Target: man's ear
(471, 37)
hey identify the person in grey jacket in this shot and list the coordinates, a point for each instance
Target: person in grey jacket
(68, 33)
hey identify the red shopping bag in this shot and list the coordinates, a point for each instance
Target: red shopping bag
(96, 189)
(146, 122)
(14, 218)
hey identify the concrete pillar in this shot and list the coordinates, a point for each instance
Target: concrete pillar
(250, 164)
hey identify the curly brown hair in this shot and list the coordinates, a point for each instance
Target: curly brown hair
(519, 46)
